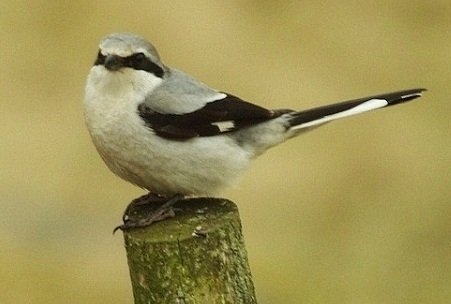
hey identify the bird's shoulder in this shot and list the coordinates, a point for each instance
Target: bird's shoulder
(180, 93)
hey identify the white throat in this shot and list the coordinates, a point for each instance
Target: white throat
(112, 98)
(125, 83)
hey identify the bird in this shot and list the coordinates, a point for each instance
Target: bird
(172, 135)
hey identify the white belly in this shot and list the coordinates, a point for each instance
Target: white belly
(132, 151)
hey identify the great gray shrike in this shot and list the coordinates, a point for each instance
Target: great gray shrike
(165, 131)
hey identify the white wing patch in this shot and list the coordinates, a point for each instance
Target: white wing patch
(369, 105)
(224, 126)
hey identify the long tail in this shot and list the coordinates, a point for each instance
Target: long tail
(321, 115)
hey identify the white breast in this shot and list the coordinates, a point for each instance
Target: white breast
(133, 152)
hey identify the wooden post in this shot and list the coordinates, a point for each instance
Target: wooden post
(198, 256)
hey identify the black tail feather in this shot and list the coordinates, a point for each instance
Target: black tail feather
(323, 114)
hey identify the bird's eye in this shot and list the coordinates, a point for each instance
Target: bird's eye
(100, 59)
(139, 61)
(138, 57)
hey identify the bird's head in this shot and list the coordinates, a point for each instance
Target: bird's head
(127, 61)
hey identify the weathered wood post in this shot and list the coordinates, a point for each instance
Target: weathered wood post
(198, 256)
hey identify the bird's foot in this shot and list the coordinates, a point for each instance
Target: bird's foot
(147, 200)
(148, 209)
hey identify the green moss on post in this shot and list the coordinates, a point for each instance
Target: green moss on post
(198, 256)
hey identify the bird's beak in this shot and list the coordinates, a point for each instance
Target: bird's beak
(113, 62)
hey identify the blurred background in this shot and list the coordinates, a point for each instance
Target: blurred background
(358, 211)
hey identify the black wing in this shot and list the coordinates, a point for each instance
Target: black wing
(216, 117)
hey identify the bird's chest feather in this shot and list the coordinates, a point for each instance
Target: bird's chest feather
(115, 127)
(134, 152)
(111, 115)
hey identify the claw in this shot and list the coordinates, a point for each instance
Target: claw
(131, 221)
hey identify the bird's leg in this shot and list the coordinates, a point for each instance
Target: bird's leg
(146, 199)
(155, 207)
